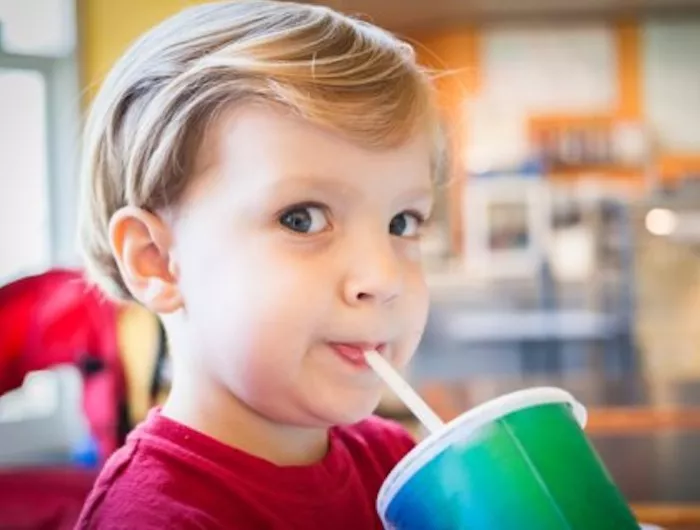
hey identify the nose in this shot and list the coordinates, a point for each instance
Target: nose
(374, 276)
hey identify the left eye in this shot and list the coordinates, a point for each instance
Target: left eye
(405, 224)
(305, 219)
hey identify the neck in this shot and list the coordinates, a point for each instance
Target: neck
(205, 405)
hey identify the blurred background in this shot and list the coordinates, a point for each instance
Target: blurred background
(565, 250)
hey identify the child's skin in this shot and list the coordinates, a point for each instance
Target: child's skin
(290, 243)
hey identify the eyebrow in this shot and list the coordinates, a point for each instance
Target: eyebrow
(324, 184)
(419, 193)
(314, 181)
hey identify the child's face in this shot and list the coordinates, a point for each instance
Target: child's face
(295, 249)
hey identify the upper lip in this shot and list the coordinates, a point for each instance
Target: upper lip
(364, 346)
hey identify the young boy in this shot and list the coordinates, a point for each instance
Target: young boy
(257, 173)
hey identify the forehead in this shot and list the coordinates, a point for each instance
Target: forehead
(259, 138)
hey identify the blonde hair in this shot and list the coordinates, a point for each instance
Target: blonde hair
(146, 123)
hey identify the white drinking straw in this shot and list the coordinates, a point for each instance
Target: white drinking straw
(403, 390)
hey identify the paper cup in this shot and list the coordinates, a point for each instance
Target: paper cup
(521, 461)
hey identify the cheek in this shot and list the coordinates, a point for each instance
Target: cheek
(419, 293)
(251, 297)
(413, 253)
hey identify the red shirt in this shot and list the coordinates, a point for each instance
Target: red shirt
(170, 476)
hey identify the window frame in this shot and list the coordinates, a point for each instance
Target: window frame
(62, 121)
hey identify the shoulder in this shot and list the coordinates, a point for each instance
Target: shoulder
(385, 439)
(137, 492)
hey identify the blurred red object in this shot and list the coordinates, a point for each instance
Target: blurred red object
(47, 320)
(57, 317)
(46, 499)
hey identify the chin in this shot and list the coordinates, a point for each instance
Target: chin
(347, 415)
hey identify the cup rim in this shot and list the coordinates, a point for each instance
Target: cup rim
(476, 417)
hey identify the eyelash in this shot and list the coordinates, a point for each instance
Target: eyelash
(302, 205)
(420, 218)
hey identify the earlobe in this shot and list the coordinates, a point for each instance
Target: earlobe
(161, 297)
(141, 243)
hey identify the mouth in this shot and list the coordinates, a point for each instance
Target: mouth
(354, 352)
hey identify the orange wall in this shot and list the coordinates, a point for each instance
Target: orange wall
(629, 70)
(107, 27)
(454, 54)
(457, 53)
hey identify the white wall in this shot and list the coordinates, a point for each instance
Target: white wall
(38, 27)
(537, 69)
(671, 89)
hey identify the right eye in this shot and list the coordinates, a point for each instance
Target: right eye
(307, 219)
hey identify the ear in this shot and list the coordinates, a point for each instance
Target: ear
(141, 243)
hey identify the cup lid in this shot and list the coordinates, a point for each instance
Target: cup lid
(470, 420)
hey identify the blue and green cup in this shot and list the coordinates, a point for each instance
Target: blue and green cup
(521, 461)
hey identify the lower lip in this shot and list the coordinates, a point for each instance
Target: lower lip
(353, 355)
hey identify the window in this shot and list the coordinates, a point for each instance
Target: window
(39, 133)
(24, 192)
